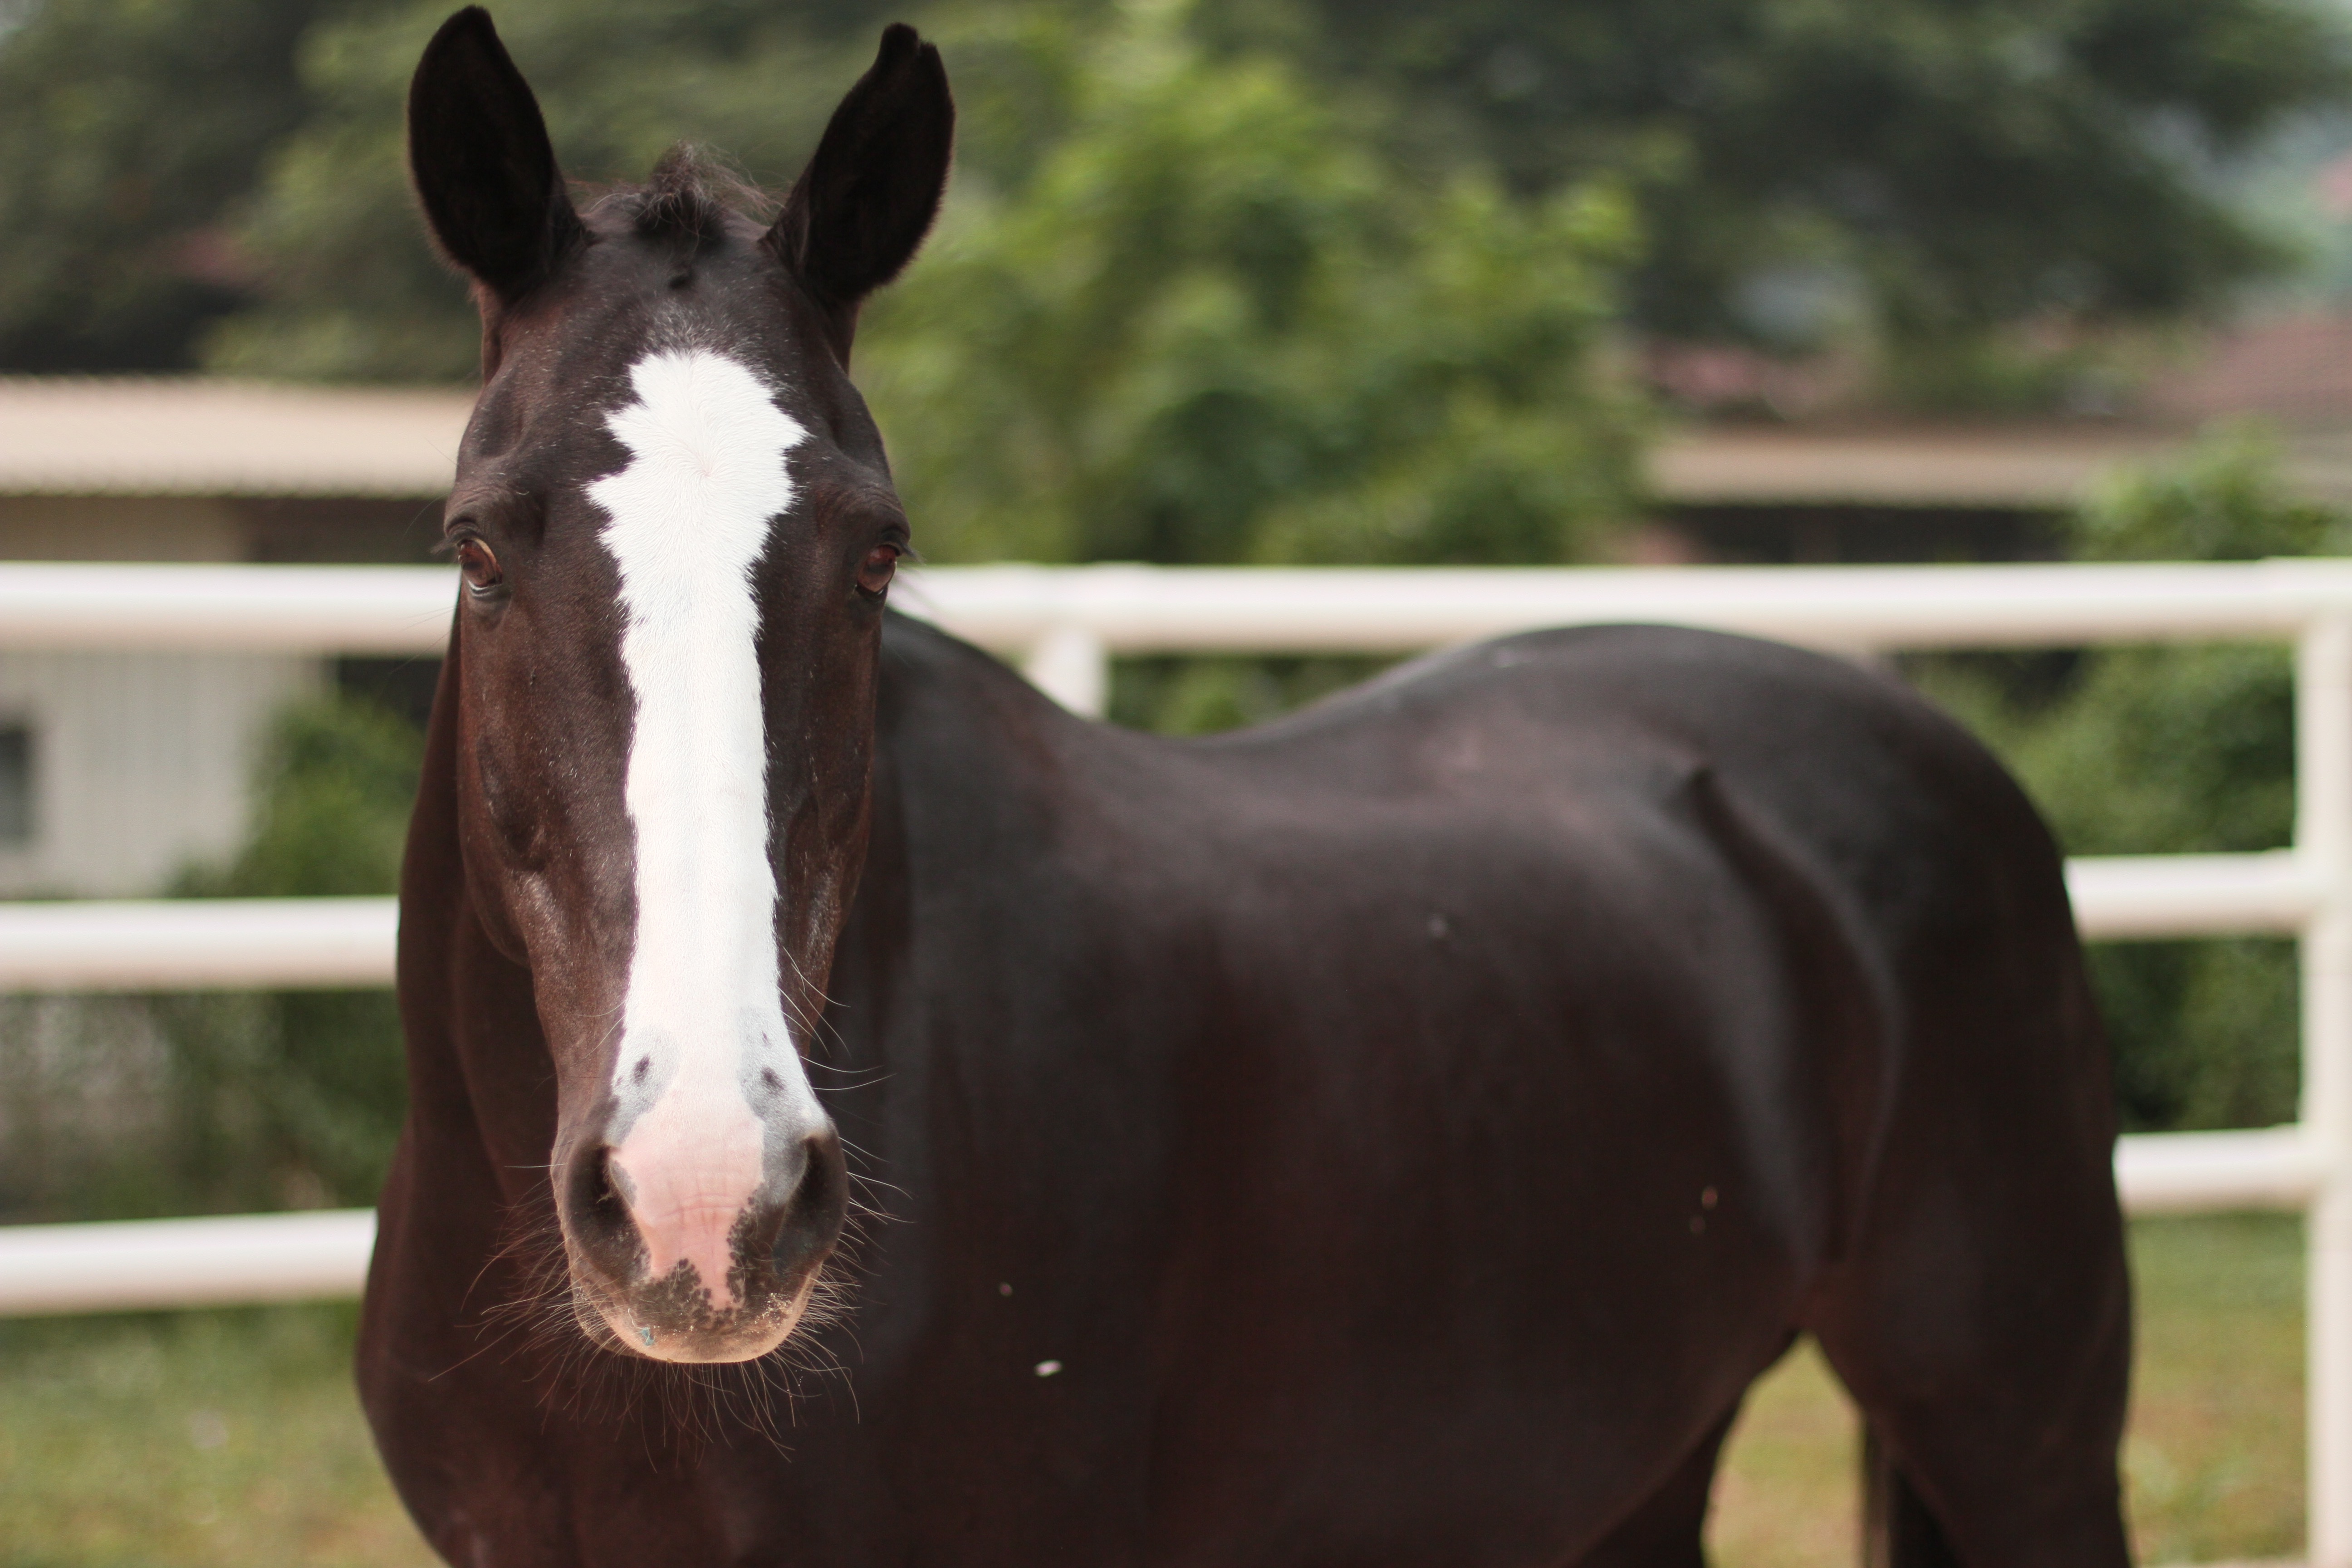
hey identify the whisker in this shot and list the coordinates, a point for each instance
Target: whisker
(538, 1321)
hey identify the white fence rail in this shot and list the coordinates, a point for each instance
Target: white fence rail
(197, 944)
(292, 944)
(1063, 625)
(230, 1260)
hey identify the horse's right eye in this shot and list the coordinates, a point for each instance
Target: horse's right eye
(873, 574)
(480, 567)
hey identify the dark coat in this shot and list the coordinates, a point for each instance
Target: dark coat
(1396, 1135)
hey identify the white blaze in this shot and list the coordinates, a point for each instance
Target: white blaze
(689, 518)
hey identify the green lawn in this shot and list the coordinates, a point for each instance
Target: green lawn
(189, 1440)
(231, 1439)
(2215, 1458)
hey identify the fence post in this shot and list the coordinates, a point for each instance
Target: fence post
(1070, 665)
(2323, 838)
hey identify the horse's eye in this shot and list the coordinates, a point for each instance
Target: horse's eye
(480, 567)
(873, 574)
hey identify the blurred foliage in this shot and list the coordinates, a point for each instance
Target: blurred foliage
(353, 289)
(1207, 324)
(293, 1099)
(1921, 170)
(128, 131)
(121, 1107)
(2169, 750)
(85, 1093)
(1932, 166)
(1180, 308)
(1200, 696)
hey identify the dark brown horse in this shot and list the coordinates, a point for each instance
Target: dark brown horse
(1395, 1136)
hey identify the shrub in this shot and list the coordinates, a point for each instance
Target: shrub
(293, 1099)
(2171, 749)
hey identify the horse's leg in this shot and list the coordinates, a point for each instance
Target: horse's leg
(1897, 1530)
(2008, 1461)
(1982, 1319)
(1664, 1532)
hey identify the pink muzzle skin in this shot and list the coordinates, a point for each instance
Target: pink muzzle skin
(688, 1172)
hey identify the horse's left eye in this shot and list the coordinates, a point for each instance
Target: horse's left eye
(479, 566)
(874, 572)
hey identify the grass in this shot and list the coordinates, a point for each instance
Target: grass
(190, 1440)
(2214, 1461)
(232, 1439)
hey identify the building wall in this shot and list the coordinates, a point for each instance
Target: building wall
(219, 527)
(118, 770)
(121, 528)
(138, 763)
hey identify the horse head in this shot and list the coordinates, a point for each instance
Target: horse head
(676, 528)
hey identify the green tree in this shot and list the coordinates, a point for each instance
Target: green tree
(2172, 750)
(1942, 165)
(128, 128)
(1180, 308)
(353, 289)
(1207, 324)
(1936, 166)
(298, 1096)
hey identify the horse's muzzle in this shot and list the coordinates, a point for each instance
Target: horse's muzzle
(671, 1260)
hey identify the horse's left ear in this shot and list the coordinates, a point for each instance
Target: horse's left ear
(859, 211)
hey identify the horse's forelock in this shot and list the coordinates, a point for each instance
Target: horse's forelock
(687, 197)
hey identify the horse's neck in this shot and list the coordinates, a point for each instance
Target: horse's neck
(951, 717)
(477, 1063)
(964, 768)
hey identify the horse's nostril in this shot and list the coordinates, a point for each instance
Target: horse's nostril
(598, 1185)
(596, 1208)
(814, 1211)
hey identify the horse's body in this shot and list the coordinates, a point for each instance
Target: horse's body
(1410, 1127)
(1395, 1136)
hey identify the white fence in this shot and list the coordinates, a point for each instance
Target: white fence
(1064, 626)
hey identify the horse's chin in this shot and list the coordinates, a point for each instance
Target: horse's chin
(662, 1329)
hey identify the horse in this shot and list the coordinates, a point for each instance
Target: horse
(863, 1115)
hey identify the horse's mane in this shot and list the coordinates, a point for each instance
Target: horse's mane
(687, 197)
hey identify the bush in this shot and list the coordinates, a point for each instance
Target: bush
(293, 1099)
(2171, 749)
(1211, 323)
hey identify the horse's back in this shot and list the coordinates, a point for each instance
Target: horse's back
(1973, 1291)
(1533, 1039)
(1797, 837)
(1650, 831)
(1879, 836)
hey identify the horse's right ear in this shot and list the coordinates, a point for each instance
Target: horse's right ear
(861, 208)
(484, 169)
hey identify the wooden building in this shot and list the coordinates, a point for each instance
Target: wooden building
(118, 770)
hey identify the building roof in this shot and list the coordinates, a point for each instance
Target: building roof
(2293, 370)
(192, 435)
(1996, 468)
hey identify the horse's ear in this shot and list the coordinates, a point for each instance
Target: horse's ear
(860, 209)
(484, 169)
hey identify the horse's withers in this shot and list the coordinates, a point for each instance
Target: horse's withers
(677, 527)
